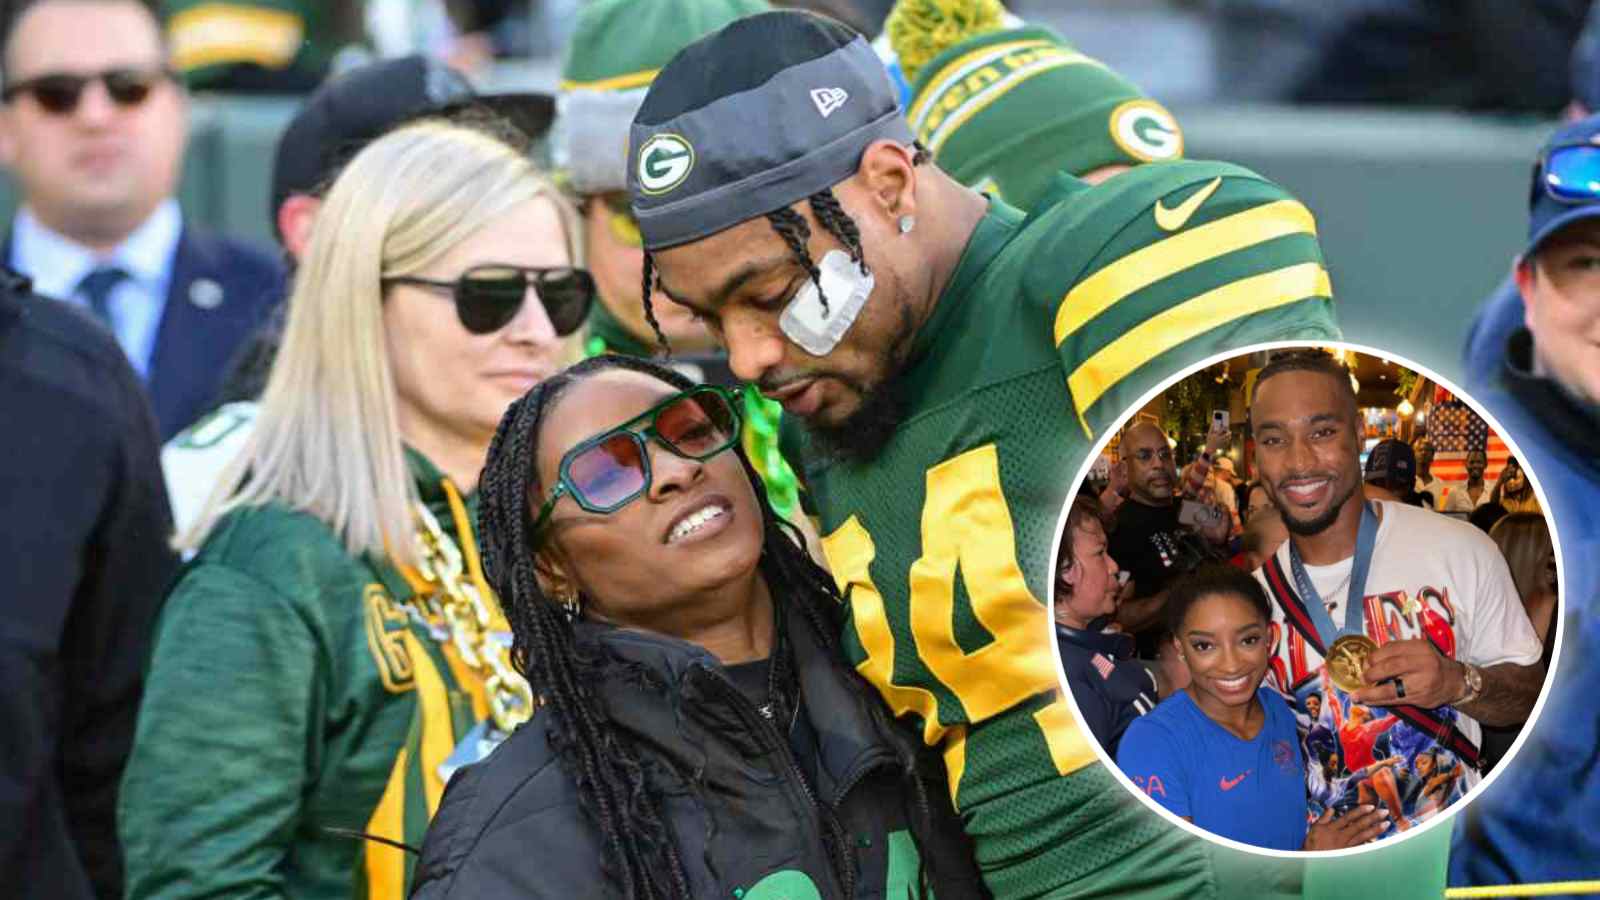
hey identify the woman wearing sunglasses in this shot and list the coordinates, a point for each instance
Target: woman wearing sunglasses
(333, 651)
(698, 734)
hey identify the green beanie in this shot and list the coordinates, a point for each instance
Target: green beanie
(1004, 110)
(616, 50)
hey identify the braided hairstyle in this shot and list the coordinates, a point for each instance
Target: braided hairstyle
(793, 228)
(642, 859)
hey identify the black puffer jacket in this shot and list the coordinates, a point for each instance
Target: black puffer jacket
(746, 822)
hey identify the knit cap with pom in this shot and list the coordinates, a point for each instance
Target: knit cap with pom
(1003, 109)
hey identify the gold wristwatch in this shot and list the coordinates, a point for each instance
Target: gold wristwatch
(1473, 676)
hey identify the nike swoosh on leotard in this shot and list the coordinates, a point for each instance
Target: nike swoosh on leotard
(1229, 784)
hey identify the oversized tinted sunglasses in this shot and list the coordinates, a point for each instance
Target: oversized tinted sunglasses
(489, 296)
(59, 93)
(1569, 173)
(612, 469)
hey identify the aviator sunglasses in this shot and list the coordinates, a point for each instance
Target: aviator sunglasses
(1570, 173)
(59, 93)
(489, 296)
(610, 470)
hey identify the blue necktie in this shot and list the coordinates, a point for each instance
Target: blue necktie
(97, 287)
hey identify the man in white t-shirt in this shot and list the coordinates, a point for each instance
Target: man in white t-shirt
(1453, 648)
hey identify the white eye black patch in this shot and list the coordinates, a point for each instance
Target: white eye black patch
(846, 286)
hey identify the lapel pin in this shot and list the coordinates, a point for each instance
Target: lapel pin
(205, 293)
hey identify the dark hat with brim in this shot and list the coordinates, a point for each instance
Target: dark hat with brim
(1546, 214)
(352, 109)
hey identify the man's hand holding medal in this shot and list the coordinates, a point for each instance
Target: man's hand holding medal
(1411, 672)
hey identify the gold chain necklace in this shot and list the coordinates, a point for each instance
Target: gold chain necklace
(465, 613)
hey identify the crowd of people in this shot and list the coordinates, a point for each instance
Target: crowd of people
(1454, 619)
(600, 495)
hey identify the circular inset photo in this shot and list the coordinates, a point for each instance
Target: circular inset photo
(1306, 598)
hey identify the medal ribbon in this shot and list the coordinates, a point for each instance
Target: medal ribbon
(1356, 613)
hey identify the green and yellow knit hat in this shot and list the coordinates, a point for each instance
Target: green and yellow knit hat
(1003, 108)
(617, 48)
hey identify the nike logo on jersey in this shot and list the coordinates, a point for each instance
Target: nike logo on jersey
(1229, 784)
(1179, 216)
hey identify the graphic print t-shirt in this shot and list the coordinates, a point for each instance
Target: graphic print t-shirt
(1431, 578)
(1251, 791)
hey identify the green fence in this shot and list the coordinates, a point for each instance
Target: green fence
(1420, 213)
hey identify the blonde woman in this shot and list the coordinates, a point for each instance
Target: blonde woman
(331, 654)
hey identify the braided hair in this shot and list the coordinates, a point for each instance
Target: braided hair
(642, 859)
(793, 228)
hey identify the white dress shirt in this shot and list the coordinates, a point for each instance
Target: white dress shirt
(57, 264)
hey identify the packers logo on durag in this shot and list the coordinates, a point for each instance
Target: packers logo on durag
(664, 162)
(1145, 130)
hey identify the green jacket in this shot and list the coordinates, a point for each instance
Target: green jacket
(289, 693)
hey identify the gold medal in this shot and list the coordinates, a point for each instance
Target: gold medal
(1347, 659)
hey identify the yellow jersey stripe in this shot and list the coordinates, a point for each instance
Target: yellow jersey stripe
(957, 70)
(614, 83)
(1069, 742)
(438, 731)
(1188, 320)
(1148, 265)
(985, 98)
(385, 865)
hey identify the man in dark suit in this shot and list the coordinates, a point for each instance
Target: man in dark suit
(92, 129)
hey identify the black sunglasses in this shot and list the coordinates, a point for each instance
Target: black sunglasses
(489, 296)
(59, 93)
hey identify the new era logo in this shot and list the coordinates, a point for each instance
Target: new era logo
(828, 99)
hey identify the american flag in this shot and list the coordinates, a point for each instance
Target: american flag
(1103, 665)
(1455, 429)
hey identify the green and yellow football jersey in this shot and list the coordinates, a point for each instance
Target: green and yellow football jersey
(1052, 326)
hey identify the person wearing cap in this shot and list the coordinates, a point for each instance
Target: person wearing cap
(1391, 472)
(617, 48)
(1503, 312)
(92, 129)
(1535, 823)
(1004, 106)
(345, 114)
(949, 358)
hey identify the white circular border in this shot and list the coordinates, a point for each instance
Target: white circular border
(1559, 618)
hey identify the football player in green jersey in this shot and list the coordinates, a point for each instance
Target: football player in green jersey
(953, 360)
